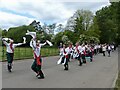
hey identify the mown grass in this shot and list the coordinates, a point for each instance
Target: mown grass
(27, 52)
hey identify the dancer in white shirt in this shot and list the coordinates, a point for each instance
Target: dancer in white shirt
(104, 49)
(36, 66)
(65, 58)
(78, 49)
(10, 51)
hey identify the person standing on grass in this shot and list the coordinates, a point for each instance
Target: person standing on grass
(10, 51)
(36, 66)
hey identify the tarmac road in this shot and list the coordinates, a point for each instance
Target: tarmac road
(101, 73)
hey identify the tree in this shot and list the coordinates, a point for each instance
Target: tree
(17, 33)
(107, 23)
(71, 36)
(58, 38)
(80, 23)
(0, 34)
(4, 33)
(59, 28)
(81, 20)
(65, 39)
(36, 25)
(51, 28)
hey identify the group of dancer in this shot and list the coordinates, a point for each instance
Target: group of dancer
(35, 45)
(81, 52)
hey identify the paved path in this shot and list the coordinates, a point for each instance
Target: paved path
(98, 74)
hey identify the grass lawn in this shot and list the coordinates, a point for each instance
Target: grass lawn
(26, 52)
(117, 87)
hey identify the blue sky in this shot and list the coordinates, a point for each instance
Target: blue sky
(22, 12)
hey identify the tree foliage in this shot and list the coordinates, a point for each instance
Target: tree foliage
(107, 22)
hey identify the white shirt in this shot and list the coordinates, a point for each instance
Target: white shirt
(9, 50)
(95, 47)
(112, 46)
(67, 50)
(78, 49)
(104, 48)
(99, 46)
(36, 48)
(109, 48)
(82, 50)
(61, 51)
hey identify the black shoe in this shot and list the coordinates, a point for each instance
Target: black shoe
(9, 70)
(41, 77)
(91, 60)
(80, 64)
(37, 75)
(66, 69)
(84, 62)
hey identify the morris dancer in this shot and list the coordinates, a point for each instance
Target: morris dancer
(104, 49)
(91, 52)
(36, 66)
(70, 51)
(36, 46)
(109, 48)
(65, 57)
(78, 50)
(83, 54)
(10, 51)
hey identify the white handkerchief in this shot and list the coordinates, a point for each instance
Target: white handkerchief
(6, 39)
(24, 40)
(64, 62)
(33, 34)
(59, 61)
(49, 43)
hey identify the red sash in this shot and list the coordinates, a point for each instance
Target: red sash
(37, 59)
(92, 51)
(11, 47)
(77, 49)
(84, 52)
(66, 55)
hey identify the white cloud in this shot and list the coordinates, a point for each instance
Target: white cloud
(11, 20)
(47, 11)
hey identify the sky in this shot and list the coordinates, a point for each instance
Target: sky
(15, 13)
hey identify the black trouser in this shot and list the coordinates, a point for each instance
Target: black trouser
(91, 56)
(66, 64)
(37, 68)
(83, 58)
(10, 60)
(109, 52)
(79, 59)
(103, 53)
(69, 56)
(95, 51)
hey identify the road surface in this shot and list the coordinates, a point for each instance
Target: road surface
(101, 73)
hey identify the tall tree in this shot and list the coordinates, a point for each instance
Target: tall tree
(108, 20)
(17, 33)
